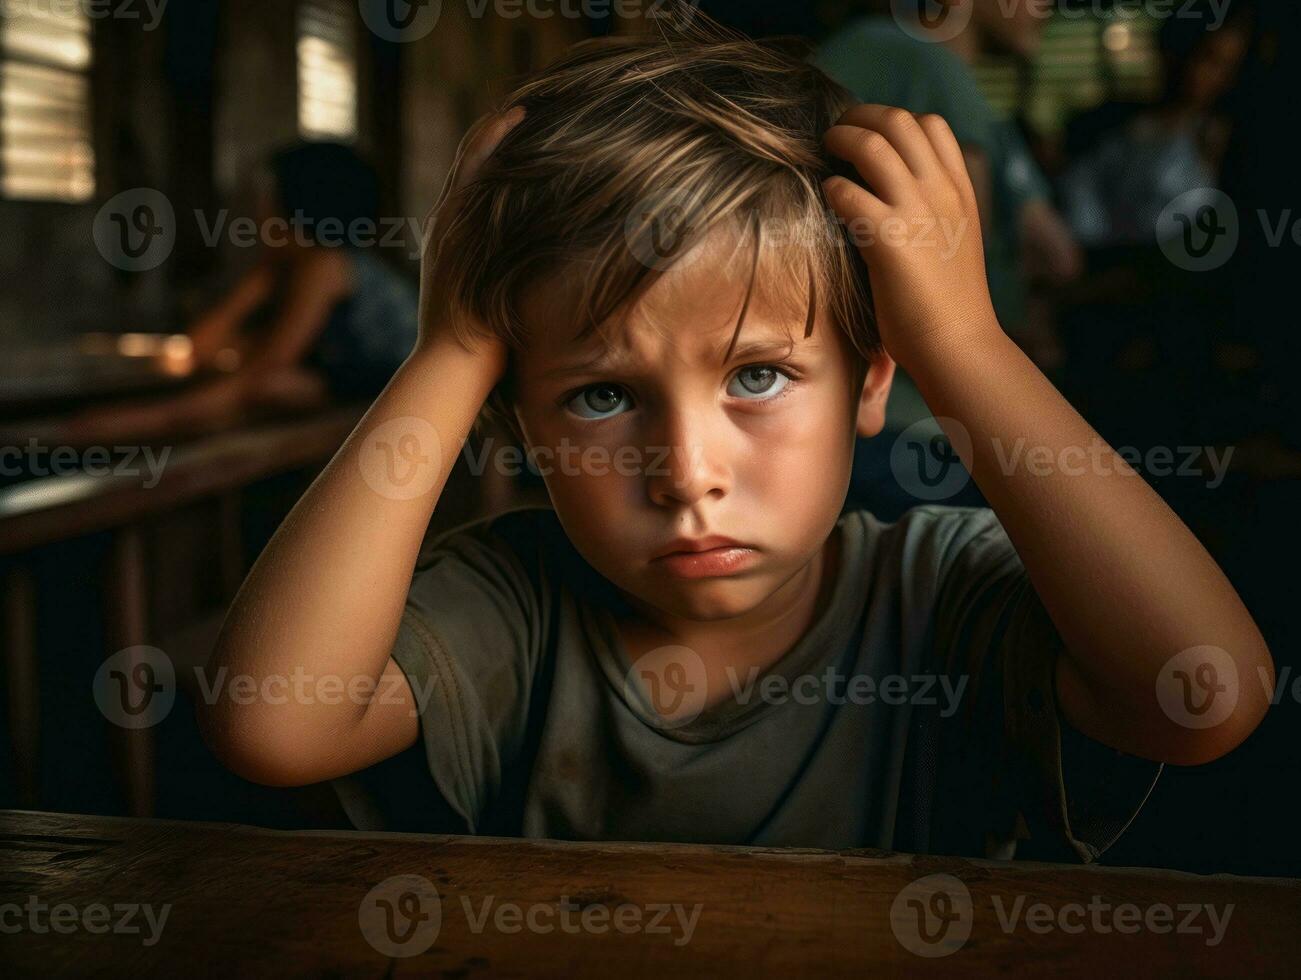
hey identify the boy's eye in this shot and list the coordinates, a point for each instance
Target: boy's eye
(599, 402)
(757, 381)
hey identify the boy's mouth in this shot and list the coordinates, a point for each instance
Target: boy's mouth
(705, 557)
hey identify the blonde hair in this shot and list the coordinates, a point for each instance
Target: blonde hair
(686, 130)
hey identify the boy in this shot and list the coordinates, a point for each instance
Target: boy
(636, 265)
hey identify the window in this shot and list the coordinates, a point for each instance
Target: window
(45, 138)
(327, 70)
(1086, 59)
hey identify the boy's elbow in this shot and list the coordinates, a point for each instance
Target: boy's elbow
(1207, 703)
(1206, 731)
(252, 748)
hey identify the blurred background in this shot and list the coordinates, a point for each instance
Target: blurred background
(210, 215)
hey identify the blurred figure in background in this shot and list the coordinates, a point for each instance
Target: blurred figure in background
(320, 315)
(1141, 324)
(1114, 194)
(893, 58)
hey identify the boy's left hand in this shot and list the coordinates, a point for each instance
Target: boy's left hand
(915, 224)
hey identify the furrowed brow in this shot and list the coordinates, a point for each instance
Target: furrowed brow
(597, 362)
(757, 350)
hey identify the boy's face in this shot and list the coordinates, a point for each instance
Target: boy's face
(651, 442)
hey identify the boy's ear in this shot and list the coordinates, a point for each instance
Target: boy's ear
(875, 393)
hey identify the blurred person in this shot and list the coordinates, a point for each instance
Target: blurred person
(1140, 328)
(320, 316)
(1115, 194)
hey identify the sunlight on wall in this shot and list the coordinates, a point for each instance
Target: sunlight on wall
(327, 70)
(45, 136)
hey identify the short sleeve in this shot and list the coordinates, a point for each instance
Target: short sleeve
(1040, 788)
(470, 643)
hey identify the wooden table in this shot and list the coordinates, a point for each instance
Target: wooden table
(240, 901)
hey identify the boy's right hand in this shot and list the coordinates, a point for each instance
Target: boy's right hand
(438, 330)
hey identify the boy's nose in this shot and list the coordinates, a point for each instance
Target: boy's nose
(688, 463)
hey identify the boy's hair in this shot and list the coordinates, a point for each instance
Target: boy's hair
(629, 142)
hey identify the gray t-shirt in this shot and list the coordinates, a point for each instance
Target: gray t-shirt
(917, 714)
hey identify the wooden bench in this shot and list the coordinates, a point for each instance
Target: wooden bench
(50, 509)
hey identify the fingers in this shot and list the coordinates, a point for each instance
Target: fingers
(480, 142)
(875, 159)
(946, 147)
(848, 199)
(924, 142)
(474, 149)
(903, 131)
(476, 146)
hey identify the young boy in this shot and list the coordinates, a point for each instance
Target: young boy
(637, 265)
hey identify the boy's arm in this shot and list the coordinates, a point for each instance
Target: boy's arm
(1126, 584)
(320, 610)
